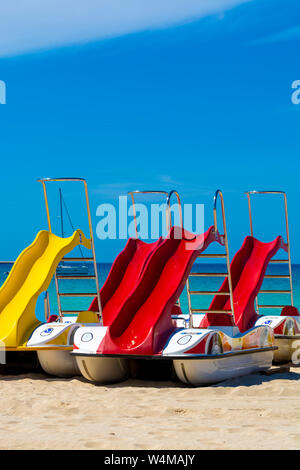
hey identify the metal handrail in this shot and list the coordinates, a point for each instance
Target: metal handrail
(46, 305)
(223, 240)
(280, 193)
(81, 180)
(219, 193)
(168, 202)
(168, 211)
(169, 208)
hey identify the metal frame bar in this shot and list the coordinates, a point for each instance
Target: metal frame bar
(76, 277)
(83, 181)
(132, 193)
(208, 274)
(77, 294)
(46, 305)
(208, 292)
(222, 238)
(277, 276)
(168, 202)
(271, 306)
(211, 256)
(168, 196)
(169, 208)
(219, 193)
(281, 291)
(224, 241)
(275, 261)
(204, 310)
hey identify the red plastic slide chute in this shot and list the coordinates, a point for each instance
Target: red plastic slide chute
(248, 269)
(143, 323)
(123, 277)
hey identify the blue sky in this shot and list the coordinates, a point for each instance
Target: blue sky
(190, 95)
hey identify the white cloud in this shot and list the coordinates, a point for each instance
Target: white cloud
(291, 33)
(169, 180)
(31, 25)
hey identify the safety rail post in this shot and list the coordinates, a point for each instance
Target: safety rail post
(74, 259)
(274, 261)
(168, 196)
(223, 239)
(46, 305)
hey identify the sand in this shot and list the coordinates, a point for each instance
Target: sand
(253, 412)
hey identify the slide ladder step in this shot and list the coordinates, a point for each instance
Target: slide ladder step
(207, 292)
(288, 291)
(271, 306)
(279, 261)
(277, 276)
(77, 294)
(208, 274)
(204, 310)
(215, 255)
(72, 277)
(75, 312)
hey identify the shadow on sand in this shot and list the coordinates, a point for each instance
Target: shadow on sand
(243, 381)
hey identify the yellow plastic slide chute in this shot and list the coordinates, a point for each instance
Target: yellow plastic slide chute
(30, 275)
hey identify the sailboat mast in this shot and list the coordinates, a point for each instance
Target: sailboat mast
(63, 205)
(61, 213)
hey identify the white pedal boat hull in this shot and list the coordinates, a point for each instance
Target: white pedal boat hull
(103, 370)
(209, 371)
(195, 371)
(95, 367)
(286, 336)
(52, 342)
(287, 347)
(245, 353)
(58, 362)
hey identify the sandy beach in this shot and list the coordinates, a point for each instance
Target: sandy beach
(253, 412)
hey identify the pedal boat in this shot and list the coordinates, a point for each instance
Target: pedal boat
(53, 342)
(286, 328)
(27, 342)
(199, 356)
(208, 356)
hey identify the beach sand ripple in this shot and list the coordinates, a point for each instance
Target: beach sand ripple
(253, 412)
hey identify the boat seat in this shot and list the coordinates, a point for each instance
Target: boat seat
(217, 319)
(290, 311)
(87, 317)
(52, 318)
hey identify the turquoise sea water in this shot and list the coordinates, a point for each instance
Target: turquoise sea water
(204, 284)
